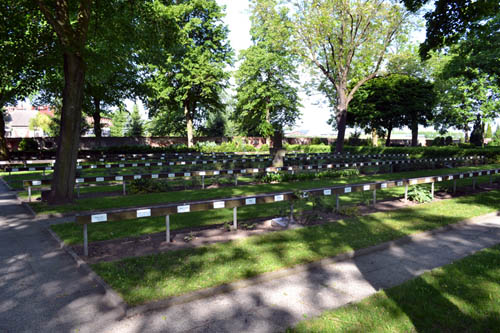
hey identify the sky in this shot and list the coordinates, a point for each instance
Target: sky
(315, 113)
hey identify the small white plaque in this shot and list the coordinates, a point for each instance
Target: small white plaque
(36, 182)
(279, 197)
(99, 218)
(183, 209)
(79, 180)
(255, 170)
(171, 175)
(143, 213)
(230, 172)
(107, 166)
(143, 158)
(137, 176)
(183, 163)
(134, 164)
(250, 201)
(187, 174)
(479, 173)
(121, 165)
(383, 185)
(347, 190)
(471, 174)
(217, 172)
(99, 179)
(194, 162)
(204, 162)
(78, 167)
(119, 178)
(219, 204)
(202, 173)
(399, 183)
(488, 172)
(93, 166)
(461, 176)
(31, 169)
(170, 163)
(440, 179)
(159, 163)
(147, 164)
(154, 176)
(450, 177)
(327, 192)
(366, 187)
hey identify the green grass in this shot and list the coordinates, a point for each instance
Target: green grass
(154, 277)
(93, 204)
(460, 297)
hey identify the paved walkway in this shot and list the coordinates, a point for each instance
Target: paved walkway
(42, 290)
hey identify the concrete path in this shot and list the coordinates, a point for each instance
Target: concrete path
(41, 289)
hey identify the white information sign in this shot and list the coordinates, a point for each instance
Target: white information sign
(347, 190)
(219, 204)
(144, 213)
(183, 209)
(279, 197)
(327, 192)
(250, 201)
(99, 218)
(119, 178)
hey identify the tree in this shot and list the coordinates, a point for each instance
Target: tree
(135, 126)
(267, 97)
(119, 120)
(46, 123)
(450, 19)
(489, 132)
(346, 42)
(191, 77)
(24, 43)
(394, 101)
(70, 25)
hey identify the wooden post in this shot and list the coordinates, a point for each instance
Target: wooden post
(235, 180)
(374, 197)
(29, 193)
(337, 202)
(85, 241)
(124, 187)
(290, 220)
(235, 218)
(167, 228)
(406, 192)
(203, 182)
(432, 190)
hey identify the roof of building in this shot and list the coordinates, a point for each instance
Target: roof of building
(20, 118)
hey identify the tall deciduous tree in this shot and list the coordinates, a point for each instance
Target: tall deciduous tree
(70, 23)
(346, 42)
(24, 44)
(450, 19)
(190, 77)
(267, 96)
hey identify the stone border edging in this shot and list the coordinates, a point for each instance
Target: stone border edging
(114, 299)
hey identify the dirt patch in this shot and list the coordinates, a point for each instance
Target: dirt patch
(112, 250)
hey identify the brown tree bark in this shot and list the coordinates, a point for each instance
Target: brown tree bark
(277, 150)
(388, 139)
(97, 118)
(414, 133)
(4, 152)
(189, 124)
(69, 137)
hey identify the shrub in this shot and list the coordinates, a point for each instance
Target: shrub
(28, 145)
(419, 194)
(144, 186)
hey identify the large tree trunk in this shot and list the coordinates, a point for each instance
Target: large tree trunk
(189, 125)
(97, 118)
(4, 152)
(341, 125)
(63, 180)
(388, 140)
(414, 133)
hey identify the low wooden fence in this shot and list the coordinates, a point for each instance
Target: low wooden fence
(232, 172)
(169, 209)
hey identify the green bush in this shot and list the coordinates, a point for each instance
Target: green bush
(144, 186)
(419, 194)
(28, 145)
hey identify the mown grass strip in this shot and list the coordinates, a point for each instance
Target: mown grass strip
(154, 277)
(460, 297)
(93, 204)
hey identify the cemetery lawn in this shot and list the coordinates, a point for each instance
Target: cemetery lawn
(459, 297)
(144, 279)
